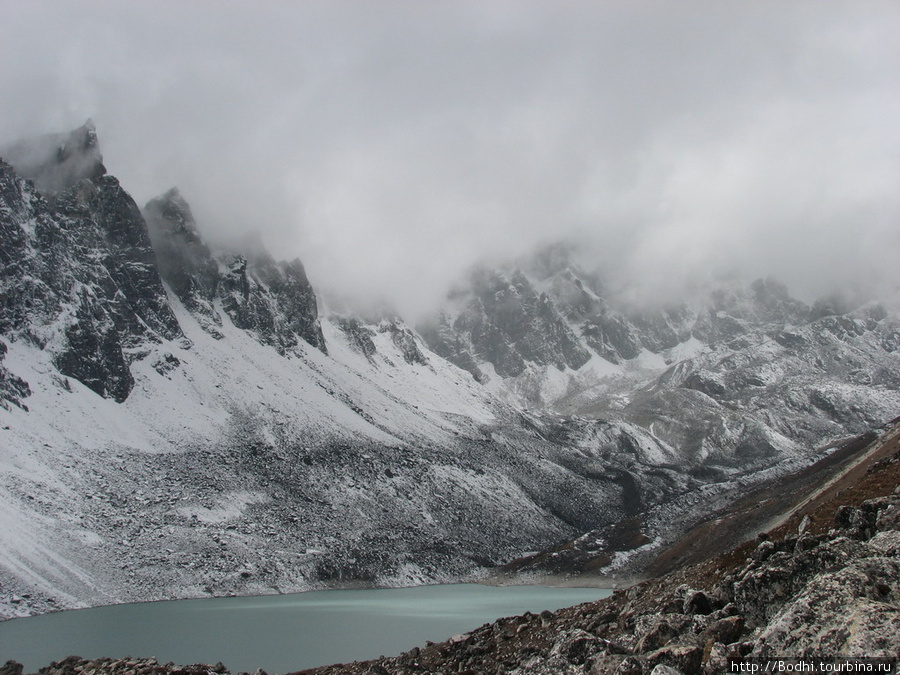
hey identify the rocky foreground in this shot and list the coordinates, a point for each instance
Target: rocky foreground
(811, 587)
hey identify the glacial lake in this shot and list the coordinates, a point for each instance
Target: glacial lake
(278, 633)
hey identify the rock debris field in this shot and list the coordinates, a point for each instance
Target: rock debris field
(813, 589)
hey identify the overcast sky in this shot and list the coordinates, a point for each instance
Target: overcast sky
(389, 144)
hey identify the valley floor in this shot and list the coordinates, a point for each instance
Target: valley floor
(824, 582)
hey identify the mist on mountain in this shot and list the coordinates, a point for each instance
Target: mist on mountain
(392, 146)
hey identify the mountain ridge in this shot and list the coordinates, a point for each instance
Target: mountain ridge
(165, 402)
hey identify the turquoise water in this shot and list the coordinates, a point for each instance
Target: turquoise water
(279, 633)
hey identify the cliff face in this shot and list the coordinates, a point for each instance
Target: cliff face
(82, 271)
(79, 275)
(273, 300)
(161, 390)
(507, 323)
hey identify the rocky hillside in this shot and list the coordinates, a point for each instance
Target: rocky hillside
(738, 378)
(824, 584)
(274, 300)
(179, 420)
(79, 276)
(547, 334)
(174, 414)
(724, 524)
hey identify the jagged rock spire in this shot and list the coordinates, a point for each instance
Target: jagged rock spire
(274, 300)
(56, 162)
(79, 275)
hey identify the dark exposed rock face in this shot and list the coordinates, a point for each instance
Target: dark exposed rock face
(358, 334)
(405, 341)
(612, 336)
(12, 389)
(276, 300)
(507, 323)
(184, 261)
(443, 339)
(273, 300)
(79, 276)
(78, 272)
(362, 331)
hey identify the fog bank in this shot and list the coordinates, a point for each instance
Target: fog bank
(390, 145)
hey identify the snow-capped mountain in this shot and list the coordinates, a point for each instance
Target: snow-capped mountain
(177, 420)
(79, 273)
(741, 371)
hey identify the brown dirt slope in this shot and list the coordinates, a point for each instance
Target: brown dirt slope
(809, 492)
(857, 474)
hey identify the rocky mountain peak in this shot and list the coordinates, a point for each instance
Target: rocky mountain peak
(507, 322)
(629, 411)
(537, 326)
(834, 304)
(82, 270)
(56, 162)
(185, 262)
(80, 279)
(272, 299)
(549, 260)
(171, 210)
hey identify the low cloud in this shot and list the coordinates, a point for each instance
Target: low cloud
(391, 145)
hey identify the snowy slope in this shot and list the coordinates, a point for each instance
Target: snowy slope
(233, 468)
(740, 374)
(180, 421)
